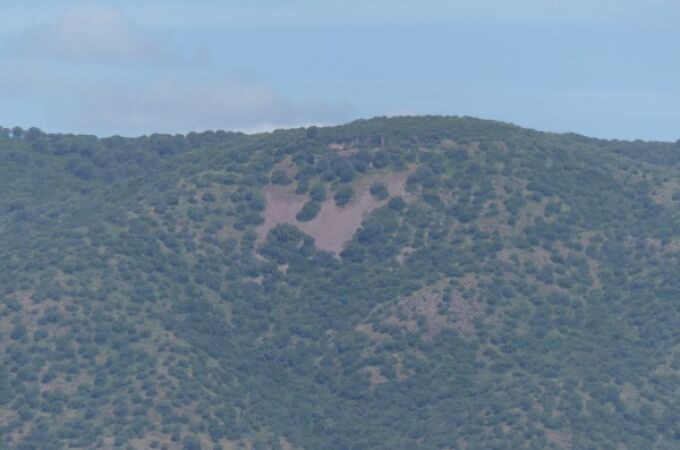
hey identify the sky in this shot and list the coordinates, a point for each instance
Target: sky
(603, 68)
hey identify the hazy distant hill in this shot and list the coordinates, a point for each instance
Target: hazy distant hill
(405, 283)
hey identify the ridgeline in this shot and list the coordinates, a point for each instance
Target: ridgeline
(403, 283)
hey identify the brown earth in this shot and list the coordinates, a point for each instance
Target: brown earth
(376, 377)
(334, 226)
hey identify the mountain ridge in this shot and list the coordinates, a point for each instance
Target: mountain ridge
(353, 123)
(498, 288)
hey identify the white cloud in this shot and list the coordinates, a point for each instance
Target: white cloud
(107, 96)
(181, 105)
(96, 34)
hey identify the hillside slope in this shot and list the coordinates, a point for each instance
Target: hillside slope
(405, 283)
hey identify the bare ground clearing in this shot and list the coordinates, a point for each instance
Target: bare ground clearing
(334, 226)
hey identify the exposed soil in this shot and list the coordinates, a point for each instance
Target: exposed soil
(334, 226)
(376, 377)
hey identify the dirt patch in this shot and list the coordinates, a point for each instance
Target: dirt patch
(334, 226)
(282, 204)
(667, 194)
(375, 336)
(560, 438)
(285, 444)
(376, 377)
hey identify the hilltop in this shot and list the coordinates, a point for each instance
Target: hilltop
(393, 283)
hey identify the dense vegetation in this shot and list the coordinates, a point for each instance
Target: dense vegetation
(524, 294)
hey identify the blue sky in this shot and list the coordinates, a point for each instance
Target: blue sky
(606, 68)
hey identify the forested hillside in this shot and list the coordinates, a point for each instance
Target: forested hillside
(404, 283)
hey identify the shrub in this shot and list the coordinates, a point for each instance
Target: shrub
(308, 211)
(343, 195)
(318, 193)
(396, 203)
(379, 190)
(280, 177)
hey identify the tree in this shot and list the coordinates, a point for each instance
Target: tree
(318, 192)
(309, 211)
(280, 177)
(343, 194)
(379, 190)
(312, 132)
(34, 133)
(191, 443)
(17, 132)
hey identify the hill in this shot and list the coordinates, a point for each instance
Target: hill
(403, 283)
